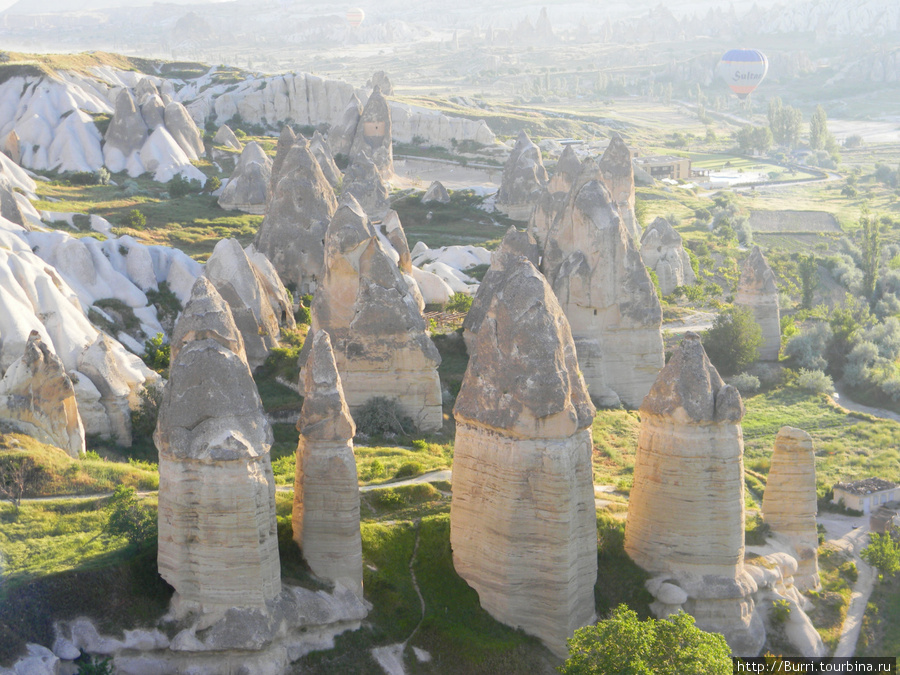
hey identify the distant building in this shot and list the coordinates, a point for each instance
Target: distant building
(665, 166)
(867, 494)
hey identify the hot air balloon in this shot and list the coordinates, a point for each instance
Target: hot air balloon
(355, 16)
(743, 70)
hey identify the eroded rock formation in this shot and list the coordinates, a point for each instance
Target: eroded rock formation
(37, 397)
(594, 267)
(248, 188)
(758, 291)
(292, 233)
(513, 245)
(325, 516)
(436, 192)
(340, 136)
(218, 545)
(522, 519)
(524, 178)
(618, 176)
(663, 252)
(365, 182)
(225, 136)
(319, 147)
(789, 502)
(686, 510)
(245, 290)
(376, 327)
(373, 135)
(554, 196)
(125, 135)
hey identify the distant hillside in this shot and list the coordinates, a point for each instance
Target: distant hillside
(65, 6)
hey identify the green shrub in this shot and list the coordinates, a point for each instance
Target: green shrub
(213, 183)
(410, 470)
(94, 666)
(459, 302)
(180, 186)
(127, 517)
(815, 381)
(135, 219)
(781, 610)
(756, 531)
(745, 383)
(167, 304)
(382, 415)
(157, 353)
(849, 571)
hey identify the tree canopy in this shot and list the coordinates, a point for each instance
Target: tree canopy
(734, 340)
(624, 644)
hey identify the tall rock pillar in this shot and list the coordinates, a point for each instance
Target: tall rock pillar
(686, 510)
(325, 516)
(758, 291)
(218, 545)
(789, 502)
(522, 520)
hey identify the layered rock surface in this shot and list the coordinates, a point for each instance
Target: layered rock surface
(663, 252)
(37, 397)
(758, 291)
(376, 326)
(789, 502)
(325, 517)
(685, 520)
(522, 519)
(248, 188)
(291, 235)
(524, 178)
(218, 545)
(592, 264)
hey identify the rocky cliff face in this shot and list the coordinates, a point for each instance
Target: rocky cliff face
(789, 502)
(758, 291)
(302, 205)
(592, 264)
(374, 320)
(524, 178)
(663, 252)
(367, 185)
(686, 511)
(248, 188)
(37, 397)
(218, 545)
(325, 516)
(522, 520)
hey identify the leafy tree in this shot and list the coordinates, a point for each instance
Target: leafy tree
(96, 666)
(179, 186)
(213, 183)
(818, 129)
(871, 253)
(128, 517)
(785, 122)
(883, 553)
(625, 644)
(809, 280)
(734, 340)
(18, 476)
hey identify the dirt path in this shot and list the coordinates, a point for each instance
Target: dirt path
(859, 599)
(845, 402)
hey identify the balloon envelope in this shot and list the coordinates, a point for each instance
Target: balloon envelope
(743, 70)
(355, 16)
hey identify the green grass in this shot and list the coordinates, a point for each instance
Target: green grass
(67, 476)
(194, 223)
(460, 222)
(615, 441)
(830, 604)
(881, 629)
(431, 456)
